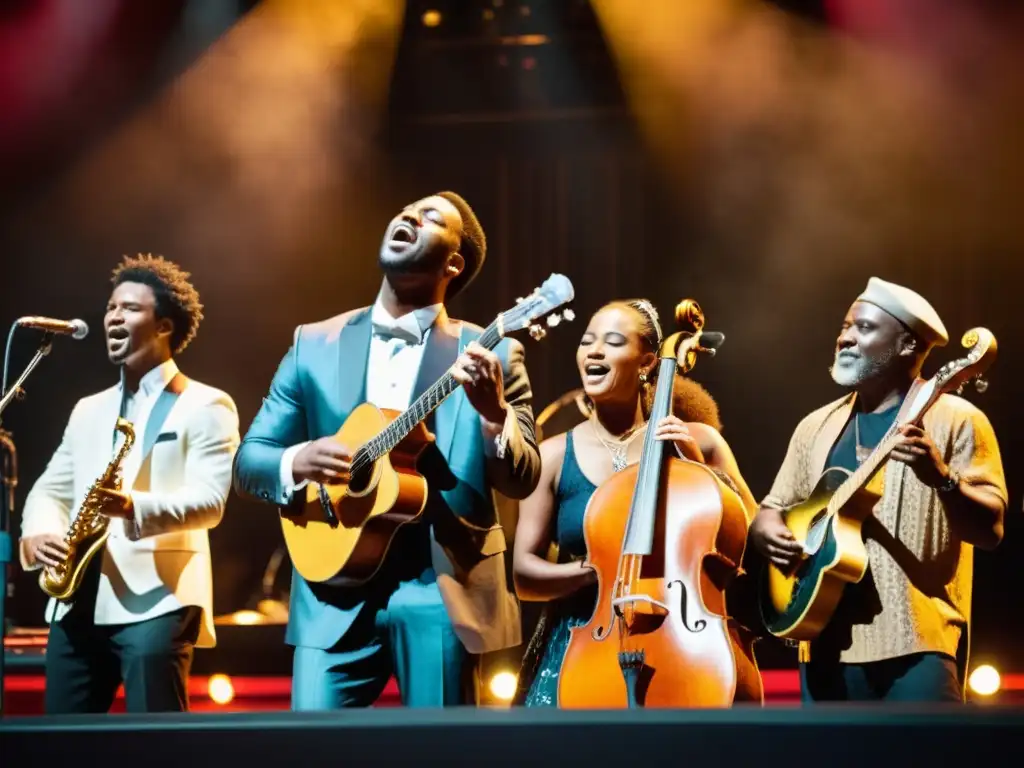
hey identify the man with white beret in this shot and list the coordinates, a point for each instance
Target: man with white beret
(901, 633)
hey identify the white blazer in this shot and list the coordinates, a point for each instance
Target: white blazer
(160, 561)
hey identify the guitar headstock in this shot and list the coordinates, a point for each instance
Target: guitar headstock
(542, 305)
(954, 375)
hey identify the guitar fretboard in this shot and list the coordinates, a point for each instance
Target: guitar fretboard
(865, 471)
(385, 441)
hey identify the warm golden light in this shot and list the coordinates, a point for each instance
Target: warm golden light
(984, 680)
(220, 689)
(264, 100)
(431, 18)
(247, 617)
(503, 686)
(532, 39)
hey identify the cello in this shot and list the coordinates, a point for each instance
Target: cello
(666, 537)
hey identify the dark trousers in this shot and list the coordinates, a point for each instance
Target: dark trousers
(919, 677)
(86, 663)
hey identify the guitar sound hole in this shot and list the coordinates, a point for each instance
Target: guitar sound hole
(362, 473)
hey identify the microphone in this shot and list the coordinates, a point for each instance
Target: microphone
(76, 329)
(711, 341)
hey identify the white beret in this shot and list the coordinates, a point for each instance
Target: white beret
(908, 307)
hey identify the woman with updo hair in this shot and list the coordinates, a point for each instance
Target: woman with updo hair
(618, 361)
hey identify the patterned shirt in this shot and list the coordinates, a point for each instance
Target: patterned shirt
(916, 595)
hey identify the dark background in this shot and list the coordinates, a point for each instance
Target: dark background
(763, 158)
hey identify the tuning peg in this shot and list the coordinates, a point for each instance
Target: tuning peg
(960, 390)
(537, 332)
(569, 315)
(554, 320)
(980, 384)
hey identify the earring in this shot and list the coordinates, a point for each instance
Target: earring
(643, 378)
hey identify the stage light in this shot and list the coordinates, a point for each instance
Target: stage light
(247, 618)
(503, 686)
(220, 689)
(984, 680)
(431, 18)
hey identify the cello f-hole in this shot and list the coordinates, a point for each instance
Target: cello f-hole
(700, 624)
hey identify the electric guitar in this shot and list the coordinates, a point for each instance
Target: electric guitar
(343, 530)
(798, 604)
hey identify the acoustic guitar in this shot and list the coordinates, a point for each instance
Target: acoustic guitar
(343, 531)
(798, 604)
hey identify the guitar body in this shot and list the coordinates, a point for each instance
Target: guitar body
(799, 604)
(346, 546)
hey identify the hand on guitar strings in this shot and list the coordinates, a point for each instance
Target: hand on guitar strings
(323, 461)
(917, 451)
(673, 428)
(773, 539)
(479, 372)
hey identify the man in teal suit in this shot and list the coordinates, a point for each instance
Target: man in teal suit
(441, 598)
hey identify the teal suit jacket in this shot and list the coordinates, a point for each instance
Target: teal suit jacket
(319, 382)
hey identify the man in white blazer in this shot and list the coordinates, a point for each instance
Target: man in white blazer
(147, 599)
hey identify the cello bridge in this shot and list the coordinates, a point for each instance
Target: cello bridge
(643, 604)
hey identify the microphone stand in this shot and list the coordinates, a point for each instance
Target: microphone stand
(9, 478)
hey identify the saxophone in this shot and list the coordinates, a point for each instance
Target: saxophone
(89, 530)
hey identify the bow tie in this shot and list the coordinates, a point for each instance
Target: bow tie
(407, 331)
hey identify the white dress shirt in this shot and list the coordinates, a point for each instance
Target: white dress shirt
(396, 351)
(135, 406)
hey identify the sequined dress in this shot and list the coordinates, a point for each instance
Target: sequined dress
(543, 658)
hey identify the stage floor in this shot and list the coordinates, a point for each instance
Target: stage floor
(825, 735)
(24, 693)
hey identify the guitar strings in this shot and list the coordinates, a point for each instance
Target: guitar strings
(397, 430)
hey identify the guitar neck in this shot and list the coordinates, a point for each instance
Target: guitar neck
(424, 405)
(866, 470)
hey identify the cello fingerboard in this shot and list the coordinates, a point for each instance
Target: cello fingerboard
(643, 510)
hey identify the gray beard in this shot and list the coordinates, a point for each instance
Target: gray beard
(854, 374)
